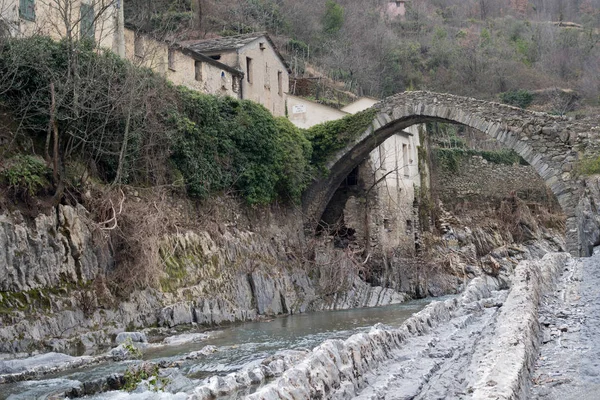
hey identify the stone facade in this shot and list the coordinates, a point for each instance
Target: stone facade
(382, 211)
(550, 144)
(47, 17)
(192, 70)
(247, 67)
(394, 10)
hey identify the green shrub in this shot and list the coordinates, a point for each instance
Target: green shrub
(588, 166)
(229, 144)
(26, 175)
(214, 143)
(329, 137)
(294, 154)
(519, 98)
(333, 19)
(450, 159)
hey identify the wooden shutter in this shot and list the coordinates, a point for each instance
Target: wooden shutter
(86, 24)
(27, 9)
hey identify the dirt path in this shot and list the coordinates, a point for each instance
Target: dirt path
(569, 363)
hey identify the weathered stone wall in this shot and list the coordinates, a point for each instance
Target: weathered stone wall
(477, 181)
(182, 71)
(588, 212)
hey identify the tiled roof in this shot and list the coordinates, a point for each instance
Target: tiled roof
(210, 46)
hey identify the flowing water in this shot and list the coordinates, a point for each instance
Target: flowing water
(236, 347)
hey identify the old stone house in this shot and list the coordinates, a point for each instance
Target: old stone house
(246, 66)
(99, 20)
(266, 74)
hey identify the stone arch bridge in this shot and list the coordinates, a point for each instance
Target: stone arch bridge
(551, 144)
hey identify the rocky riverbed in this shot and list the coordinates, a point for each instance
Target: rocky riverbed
(479, 345)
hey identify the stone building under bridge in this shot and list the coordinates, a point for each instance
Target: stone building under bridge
(375, 205)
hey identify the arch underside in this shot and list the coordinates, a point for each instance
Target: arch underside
(549, 157)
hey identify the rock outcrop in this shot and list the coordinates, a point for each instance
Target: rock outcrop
(50, 298)
(50, 251)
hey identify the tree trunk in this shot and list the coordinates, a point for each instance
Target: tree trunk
(198, 13)
(123, 151)
(54, 128)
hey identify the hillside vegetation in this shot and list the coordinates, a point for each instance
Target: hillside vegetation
(479, 48)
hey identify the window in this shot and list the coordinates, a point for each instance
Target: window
(262, 46)
(405, 160)
(138, 45)
(249, 69)
(352, 178)
(223, 80)
(86, 26)
(216, 57)
(171, 59)
(198, 70)
(267, 77)
(27, 9)
(280, 83)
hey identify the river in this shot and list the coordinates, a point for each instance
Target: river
(235, 347)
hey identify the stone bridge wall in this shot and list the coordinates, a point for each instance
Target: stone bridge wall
(478, 180)
(550, 144)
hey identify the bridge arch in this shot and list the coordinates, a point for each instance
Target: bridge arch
(546, 142)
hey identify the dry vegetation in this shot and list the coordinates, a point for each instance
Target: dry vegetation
(478, 48)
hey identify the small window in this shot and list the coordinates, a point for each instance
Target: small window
(267, 77)
(249, 69)
(216, 57)
(280, 83)
(138, 45)
(171, 59)
(87, 28)
(198, 70)
(405, 164)
(352, 178)
(262, 46)
(223, 80)
(27, 9)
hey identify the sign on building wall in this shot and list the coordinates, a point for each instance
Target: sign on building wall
(299, 109)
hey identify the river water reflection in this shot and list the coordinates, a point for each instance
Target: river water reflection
(238, 345)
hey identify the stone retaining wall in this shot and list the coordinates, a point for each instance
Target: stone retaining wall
(478, 181)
